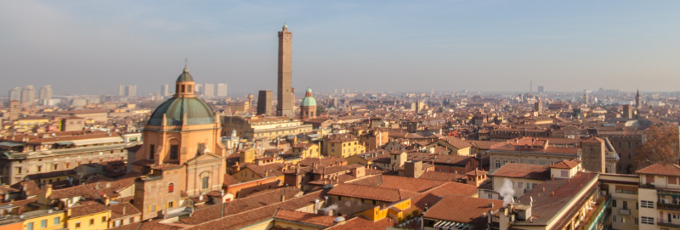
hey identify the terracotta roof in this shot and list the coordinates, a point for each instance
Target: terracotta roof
(463, 209)
(525, 171)
(558, 193)
(304, 217)
(371, 193)
(118, 209)
(410, 184)
(242, 219)
(661, 169)
(565, 164)
(87, 208)
(359, 223)
(442, 176)
(253, 201)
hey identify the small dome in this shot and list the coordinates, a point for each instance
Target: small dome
(308, 100)
(185, 76)
(174, 109)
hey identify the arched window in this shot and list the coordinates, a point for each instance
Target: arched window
(171, 188)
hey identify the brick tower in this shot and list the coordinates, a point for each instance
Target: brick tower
(285, 95)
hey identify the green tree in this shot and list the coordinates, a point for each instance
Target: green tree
(659, 146)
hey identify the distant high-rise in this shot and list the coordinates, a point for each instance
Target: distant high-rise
(431, 92)
(335, 91)
(165, 90)
(45, 94)
(208, 90)
(540, 89)
(221, 90)
(198, 88)
(264, 102)
(15, 94)
(586, 99)
(121, 90)
(131, 91)
(285, 95)
(27, 95)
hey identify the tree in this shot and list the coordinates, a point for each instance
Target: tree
(660, 145)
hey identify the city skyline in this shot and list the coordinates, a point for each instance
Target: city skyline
(447, 46)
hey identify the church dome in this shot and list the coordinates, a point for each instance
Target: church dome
(176, 109)
(185, 76)
(308, 100)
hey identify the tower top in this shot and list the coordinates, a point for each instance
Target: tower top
(285, 26)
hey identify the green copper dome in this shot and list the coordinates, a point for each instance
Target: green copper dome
(308, 100)
(175, 109)
(185, 76)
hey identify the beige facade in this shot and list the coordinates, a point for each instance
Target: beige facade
(263, 128)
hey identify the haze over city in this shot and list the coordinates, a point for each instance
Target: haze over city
(83, 47)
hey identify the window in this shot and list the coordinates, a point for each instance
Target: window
(39, 168)
(564, 173)
(152, 208)
(56, 166)
(78, 224)
(92, 221)
(152, 149)
(490, 196)
(29, 226)
(613, 203)
(625, 205)
(171, 204)
(646, 204)
(201, 148)
(613, 218)
(204, 184)
(103, 219)
(171, 188)
(56, 221)
(117, 223)
(174, 151)
(649, 179)
(43, 224)
(647, 220)
(672, 180)
(636, 220)
(498, 164)
(18, 169)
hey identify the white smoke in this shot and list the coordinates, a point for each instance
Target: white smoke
(507, 192)
(330, 207)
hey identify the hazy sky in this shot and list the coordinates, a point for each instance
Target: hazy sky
(93, 46)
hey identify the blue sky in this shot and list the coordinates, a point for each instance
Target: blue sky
(93, 46)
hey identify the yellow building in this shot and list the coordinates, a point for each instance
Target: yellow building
(26, 123)
(44, 219)
(343, 146)
(90, 215)
(306, 150)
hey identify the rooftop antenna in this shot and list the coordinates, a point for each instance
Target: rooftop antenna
(186, 62)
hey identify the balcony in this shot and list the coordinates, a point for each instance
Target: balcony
(668, 224)
(624, 212)
(665, 206)
(596, 218)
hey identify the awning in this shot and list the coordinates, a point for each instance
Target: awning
(10, 144)
(103, 140)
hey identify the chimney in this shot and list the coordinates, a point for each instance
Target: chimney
(283, 197)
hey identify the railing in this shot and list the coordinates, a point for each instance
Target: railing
(600, 214)
(624, 211)
(666, 206)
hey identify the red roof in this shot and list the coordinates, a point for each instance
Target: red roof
(661, 169)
